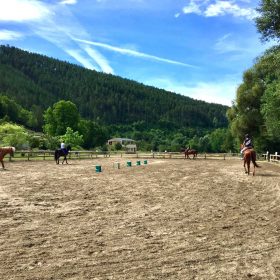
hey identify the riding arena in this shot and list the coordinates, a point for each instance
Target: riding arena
(155, 218)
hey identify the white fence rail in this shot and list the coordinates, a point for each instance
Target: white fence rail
(49, 155)
(272, 157)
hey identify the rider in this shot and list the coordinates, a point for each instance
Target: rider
(62, 147)
(247, 144)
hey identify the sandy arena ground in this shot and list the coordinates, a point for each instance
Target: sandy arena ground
(170, 219)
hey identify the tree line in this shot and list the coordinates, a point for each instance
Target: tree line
(99, 106)
(63, 123)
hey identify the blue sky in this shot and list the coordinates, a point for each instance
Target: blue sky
(197, 48)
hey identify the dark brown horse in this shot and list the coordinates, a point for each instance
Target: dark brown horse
(190, 152)
(4, 151)
(248, 156)
(62, 152)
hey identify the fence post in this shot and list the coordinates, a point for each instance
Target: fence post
(267, 156)
(205, 156)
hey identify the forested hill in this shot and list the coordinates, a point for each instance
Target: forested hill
(36, 82)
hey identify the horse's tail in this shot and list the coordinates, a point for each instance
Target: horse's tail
(254, 159)
(255, 164)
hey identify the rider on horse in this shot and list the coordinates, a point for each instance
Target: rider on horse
(247, 144)
(63, 148)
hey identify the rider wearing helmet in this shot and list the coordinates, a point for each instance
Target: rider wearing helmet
(247, 143)
(63, 148)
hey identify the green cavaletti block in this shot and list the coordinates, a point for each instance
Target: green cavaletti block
(98, 168)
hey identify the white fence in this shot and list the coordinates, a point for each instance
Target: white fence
(49, 155)
(272, 157)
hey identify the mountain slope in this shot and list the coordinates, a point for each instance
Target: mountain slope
(36, 81)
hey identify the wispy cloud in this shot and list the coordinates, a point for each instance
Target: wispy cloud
(226, 44)
(23, 10)
(192, 8)
(69, 2)
(227, 7)
(54, 23)
(239, 48)
(214, 92)
(220, 92)
(7, 35)
(84, 61)
(220, 8)
(100, 59)
(133, 52)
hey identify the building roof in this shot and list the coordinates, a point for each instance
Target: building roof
(121, 139)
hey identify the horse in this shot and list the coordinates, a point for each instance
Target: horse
(250, 155)
(61, 152)
(4, 151)
(190, 152)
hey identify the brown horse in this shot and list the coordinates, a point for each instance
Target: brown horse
(248, 156)
(190, 152)
(4, 151)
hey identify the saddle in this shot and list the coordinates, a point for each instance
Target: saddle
(64, 151)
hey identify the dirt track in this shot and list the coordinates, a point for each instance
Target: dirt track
(170, 219)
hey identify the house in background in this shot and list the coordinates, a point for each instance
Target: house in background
(128, 145)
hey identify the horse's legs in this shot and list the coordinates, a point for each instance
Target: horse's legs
(245, 166)
(2, 162)
(65, 159)
(248, 165)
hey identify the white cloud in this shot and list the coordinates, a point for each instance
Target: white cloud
(220, 92)
(7, 35)
(219, 8)
(84, 61)
(54, 23)
(239, 48)
(69, 2)
(23, 10)
(226, 44)
(192, 8)
(100, 60)
(133, 53)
